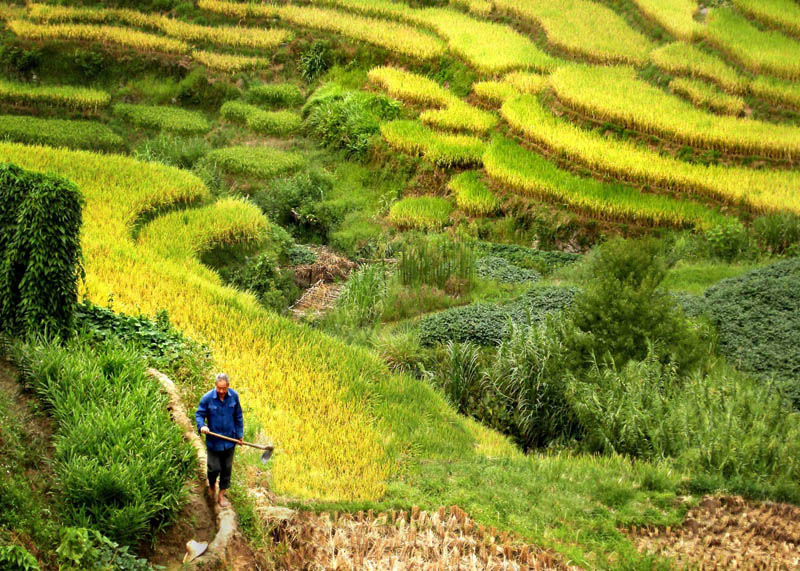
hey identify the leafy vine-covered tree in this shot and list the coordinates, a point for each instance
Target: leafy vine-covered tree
(40, 252)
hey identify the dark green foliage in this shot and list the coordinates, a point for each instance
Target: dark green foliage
(501, 270)
(19, 60)
(347, 120)
(489, 323)
(196, 89)
(778, 233)
(17, 558)
(156, 339)
(274, 288)
(438, 261)
(121, 461)
(301, 255)
(90, 64)
(276, 95)
(757, 316)
(540, 260)
(291, 201)
(59, 133)
(40, 251)
(173, 150)
(623, 308)
(87, 549)
(315, 60)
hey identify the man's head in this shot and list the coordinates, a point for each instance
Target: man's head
(222, 385)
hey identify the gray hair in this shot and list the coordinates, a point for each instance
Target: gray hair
(223, 377)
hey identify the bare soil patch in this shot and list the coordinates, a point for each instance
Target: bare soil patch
(730, 533)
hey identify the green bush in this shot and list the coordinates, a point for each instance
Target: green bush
(490, 323)
(300, 254)
(315, 60)
(437, 261)
(721, 423)
(40, 251)
(121, 461)
(274, 288)
(778, 233)
(290, 200)
(728, 241)
(276, 95)
(358, 235)
(623, 307)
(258, 162)
(173, 150)
(59, 133)
(163, 118)
(347, 120)
(501, 270)
(757, 316)
(84, 549)
(17, 558)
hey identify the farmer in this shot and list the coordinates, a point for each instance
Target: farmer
(221, 409)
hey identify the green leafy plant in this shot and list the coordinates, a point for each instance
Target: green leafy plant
(40, 252)
(315, 60)
(273, 287)
(778, 233)
(89, 550)
(728, 241)
(17, 558)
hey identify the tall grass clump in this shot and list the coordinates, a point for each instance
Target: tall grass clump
(421, 212)
(276, 95)
(438, 261)
(164, 118)
(362, 300)
(121, 461)
(347, 120)
(723, 424)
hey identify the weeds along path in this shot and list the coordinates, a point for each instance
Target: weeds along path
(340, 420)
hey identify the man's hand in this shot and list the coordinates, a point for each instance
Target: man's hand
(241, 442)
(204, 430)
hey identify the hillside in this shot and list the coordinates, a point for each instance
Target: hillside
(488, 256)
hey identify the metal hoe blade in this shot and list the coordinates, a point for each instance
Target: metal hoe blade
(267, 454)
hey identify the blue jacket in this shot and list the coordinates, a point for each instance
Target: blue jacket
(223, 418)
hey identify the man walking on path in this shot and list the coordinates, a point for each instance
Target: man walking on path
(221, 409)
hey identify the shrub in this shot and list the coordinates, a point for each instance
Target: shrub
(17, 558)
(315, 60)
(490, 323)
(543, 261)
(275, 289)
(83, 548)
(777, 233)
(721, 423)
(727, 241)
(40, 252)
(259, 162)
(300, 254)
(623, 309)
(757, 316)
(501, 270)
(421, 212)
(276, 95)
(290, 200)
(347, 120)
(59, 133)
(437, 261)
(121, 461)
(162, 118)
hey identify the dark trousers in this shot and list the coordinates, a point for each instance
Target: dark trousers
(220, 463)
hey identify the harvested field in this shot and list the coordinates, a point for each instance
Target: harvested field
(445, 539)
(730, 533)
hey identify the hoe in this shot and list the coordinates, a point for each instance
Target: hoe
(267, 449)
